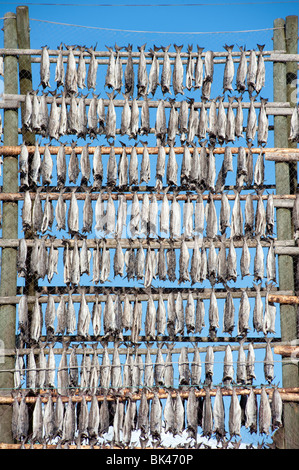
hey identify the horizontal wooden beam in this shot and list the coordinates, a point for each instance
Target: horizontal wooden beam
(283, 299)
(287, 350)
(292, 393)
(105, 150)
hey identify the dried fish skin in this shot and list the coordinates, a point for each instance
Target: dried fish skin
(153, 78)
(160, 124)
(229, 314)
(242, 71)
(184, 275)
(92, 70)
(239, 118)
(251, 120)
(209, 365)
(251, 412)
(142, 77)
(268, 363)
(228, 366)
(263, 124)
(129, 73)
(207, 415)
(175, 219)
(169, 414)
(184, 371)
(294, 125)
(45, 68)
(244, 313)
(234, 415)
(166, 72)
(237, 218)
(229, 70)
(211, 219)
(219, 415)
(156, 417)
(259, 266)
(276, 409)
(196, 369)
(264, 414)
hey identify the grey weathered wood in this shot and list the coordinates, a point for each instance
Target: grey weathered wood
(9, 225)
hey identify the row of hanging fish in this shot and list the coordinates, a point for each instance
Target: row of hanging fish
(197, 417)
(119, 315)
(152, 218)
(197, 168)
(75, 117)
(95, 376)
(198, 73)
(217, 265)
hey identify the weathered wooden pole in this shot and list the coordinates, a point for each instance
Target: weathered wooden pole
(8, 285)
(284, 185)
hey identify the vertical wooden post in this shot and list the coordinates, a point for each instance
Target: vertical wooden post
(8, 284)
(284, 185)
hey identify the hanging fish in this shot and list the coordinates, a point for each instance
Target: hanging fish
(244, 312)
(71, 73)
(160, 124)
(184, 275)
(196, 369)
(239, 118)
(195, 263)
(49, 419)
(22, 425)
(237, 218)
(82, 118)
(87, 214)
(219, 415)
(203, 121)
(110, 74)
(264, 416)
(134, 123)
(129, 73)
(45, 67)
(259, 262)
(59, 71)
(245, 260)
(155, 417)
(258, 310)
(112, 167)
(294, 125)
(251, 121)
(24, 165)
(260, 72)
(211, 218)
(27, 119)
(263, 124)
(276, 409)
(234, 415)
(252, 71)
(145, 170)
(153, 78)
(142, 78)
(231, 262)
(241, 366)
(213, 314)
(173, 123)
(221, 121)
(110, 128)
(268, 363)
(250, 362)
(35, 114)
(166, 71)
(159, 367)
(207, 415)
(230, 121)
(51, 368)
(228, 70)
(92, 69)
(178, 72)
(145, 127)
(179, 416)
(228, 367)
(229, 314)
(269, 314)
(271, 264)
(184, 371)
(242, 71)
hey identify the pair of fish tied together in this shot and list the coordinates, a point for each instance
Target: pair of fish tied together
(93, 223)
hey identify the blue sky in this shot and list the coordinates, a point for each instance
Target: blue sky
(222, 23)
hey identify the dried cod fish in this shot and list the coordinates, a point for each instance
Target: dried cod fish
(229, 70)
